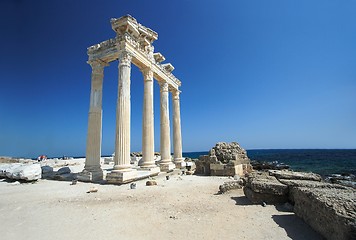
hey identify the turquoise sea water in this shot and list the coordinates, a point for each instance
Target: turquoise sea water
(321, 161)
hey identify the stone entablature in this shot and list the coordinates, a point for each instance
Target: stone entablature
(132, 44)
(136, 39)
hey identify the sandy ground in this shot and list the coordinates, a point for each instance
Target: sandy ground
(183, 207)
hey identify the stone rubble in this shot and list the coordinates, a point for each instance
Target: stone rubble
(230, 185)
(224, 159)
(20, 171)
(330, 209)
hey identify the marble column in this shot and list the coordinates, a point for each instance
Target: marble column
(165, 142)
(147, 160)
(177, 135)
(122, 136)
(92, 170)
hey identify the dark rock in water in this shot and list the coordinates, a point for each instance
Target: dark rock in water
(262, 165)
(345, 179)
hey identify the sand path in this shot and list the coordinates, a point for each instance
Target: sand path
(184, 207)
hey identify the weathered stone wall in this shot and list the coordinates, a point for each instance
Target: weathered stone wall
(330, 211)
(328, 208)
(224, 159)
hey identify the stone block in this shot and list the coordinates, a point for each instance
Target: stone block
(119, 177)
(227, 186)
(284, 174)
(90, 176)
(27, 172)
(330, 211)
(167, 167)
(63, 170)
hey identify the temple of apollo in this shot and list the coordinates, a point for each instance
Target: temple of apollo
(132, 45)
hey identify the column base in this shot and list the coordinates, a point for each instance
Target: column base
(91, 175)
(167, 167)
(151, 171)
(119, 177)
(146, 165)
(179, 162)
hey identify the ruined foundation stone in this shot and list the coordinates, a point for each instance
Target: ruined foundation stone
(224, 159)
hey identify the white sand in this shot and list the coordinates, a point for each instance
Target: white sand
(184, 207)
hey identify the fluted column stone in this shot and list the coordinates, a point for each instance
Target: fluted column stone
(165, 142)
(147, 160)
(92, 170)
(177, 134)
(122, 136)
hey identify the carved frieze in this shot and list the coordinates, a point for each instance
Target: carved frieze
(134, 38)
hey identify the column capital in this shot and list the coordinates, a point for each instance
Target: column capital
(147, 74)
(164, 86)
(175, 94)
(97, 64)
(125, 59)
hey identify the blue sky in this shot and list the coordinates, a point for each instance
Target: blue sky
(268, 74)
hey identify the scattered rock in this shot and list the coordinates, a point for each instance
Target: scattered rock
(262, 165)
(63, 170)
(227, 186)
(65, 177)
(47, 172)
(26, 172)
(92, 190)
(74, 182)
(151, 183)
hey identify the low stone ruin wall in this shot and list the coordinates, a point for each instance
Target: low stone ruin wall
(224, 159)
(330, 209)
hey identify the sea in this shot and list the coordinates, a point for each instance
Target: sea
(321, 161)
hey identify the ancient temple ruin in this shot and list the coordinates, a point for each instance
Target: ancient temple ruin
(132, 44)
(224, 159)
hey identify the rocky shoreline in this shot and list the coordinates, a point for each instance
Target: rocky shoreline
(328, 208)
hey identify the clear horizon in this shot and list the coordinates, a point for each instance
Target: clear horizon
(268, 75)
